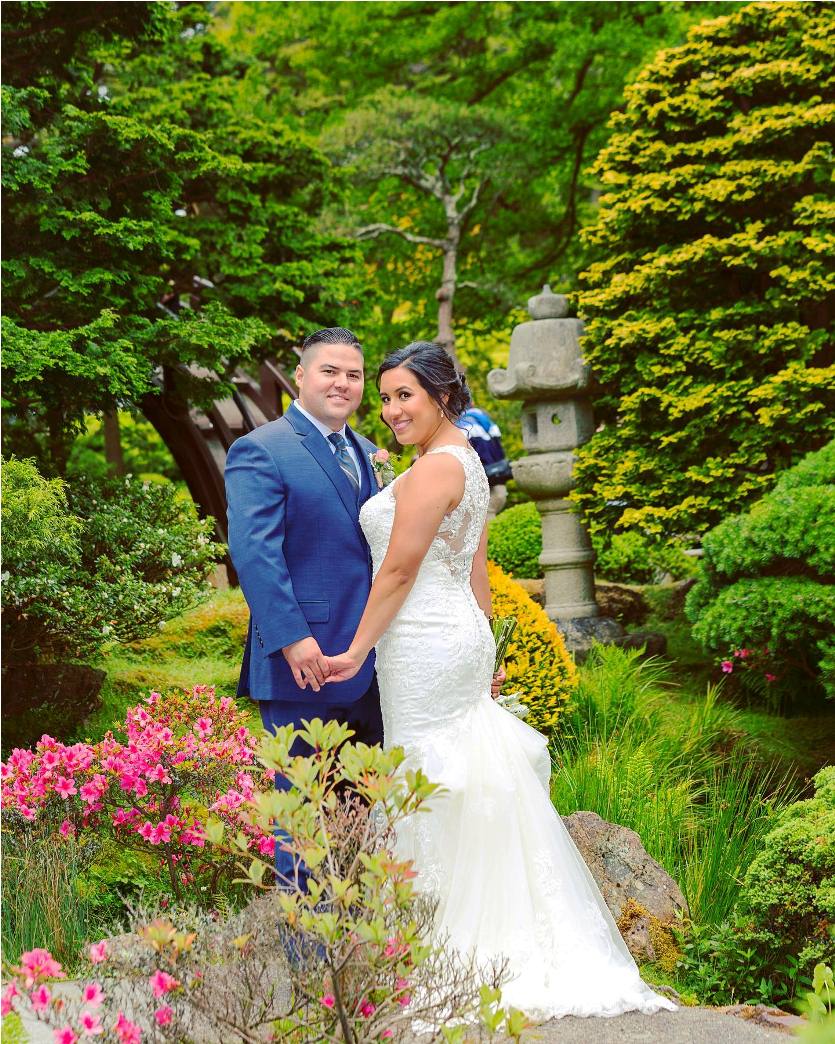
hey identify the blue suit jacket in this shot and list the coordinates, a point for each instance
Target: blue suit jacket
(300, 555)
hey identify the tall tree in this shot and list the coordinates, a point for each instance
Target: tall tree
(710, 305)
(536, 80)
(153, 215)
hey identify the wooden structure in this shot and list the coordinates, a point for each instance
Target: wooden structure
(199, 439)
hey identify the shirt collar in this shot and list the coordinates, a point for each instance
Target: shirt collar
(323, 428)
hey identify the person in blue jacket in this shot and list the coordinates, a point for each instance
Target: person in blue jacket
(294, 488)
(486, 439)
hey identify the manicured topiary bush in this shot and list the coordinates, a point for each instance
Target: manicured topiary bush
(514, 541)
(708, 306)
(538, 664)
(765, 599)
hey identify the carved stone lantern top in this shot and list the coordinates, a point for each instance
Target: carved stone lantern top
(548, 305)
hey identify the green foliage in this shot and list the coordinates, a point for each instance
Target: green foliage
(43, 900)
(700, 807)
(364, 962)
(543, 74)
(514, 541)
(143, 451)
(630, 558)
(156, 215)
(784, 915)
(707, 309)
(130, 555)
(767, 584)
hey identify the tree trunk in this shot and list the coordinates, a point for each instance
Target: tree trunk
(445, 295)
(113, 442)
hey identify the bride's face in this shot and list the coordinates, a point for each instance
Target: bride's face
(410, 412)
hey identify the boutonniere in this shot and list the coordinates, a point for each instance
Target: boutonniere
(382, 467)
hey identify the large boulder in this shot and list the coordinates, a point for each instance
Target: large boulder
(642, 897)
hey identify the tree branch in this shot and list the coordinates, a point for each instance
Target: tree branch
(373, 231)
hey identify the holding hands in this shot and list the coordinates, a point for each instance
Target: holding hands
(308, 663)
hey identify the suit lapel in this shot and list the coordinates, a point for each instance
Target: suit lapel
(317, 447)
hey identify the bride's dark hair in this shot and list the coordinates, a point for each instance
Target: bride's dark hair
(436, 374)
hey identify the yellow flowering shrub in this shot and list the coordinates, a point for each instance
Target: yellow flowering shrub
(538, 664)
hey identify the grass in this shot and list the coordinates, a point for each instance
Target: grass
(699, 801)
(42, 903)
(202, 647)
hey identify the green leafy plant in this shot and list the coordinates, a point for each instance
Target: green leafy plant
(782, 922)
(91, 563)
(631, 558)
(765, 598)
(703, 307)
(514, 541)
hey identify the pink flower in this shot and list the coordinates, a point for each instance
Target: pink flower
(9, 994)
(727, 666)
(93, 995)
(66, 1035)
(98, 952)
(50, 760)
(771, 677)
(328, 1000)
(203, 727)
(387, 1034)
(126, 1031)
(164, 1015)
(161, 983)
(266, 845)
(91, 1024)
(743, 654)
(40, 964)
(367, 1009)
(64, 786)
(40, 998)
(66, 829)
(382, 456)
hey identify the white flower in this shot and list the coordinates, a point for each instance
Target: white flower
(21, 150)
(176, 559)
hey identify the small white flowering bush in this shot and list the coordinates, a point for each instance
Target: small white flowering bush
(93, 562)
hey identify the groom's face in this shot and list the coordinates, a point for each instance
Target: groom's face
(330, 381)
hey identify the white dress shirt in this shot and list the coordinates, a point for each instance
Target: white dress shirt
(325, 430)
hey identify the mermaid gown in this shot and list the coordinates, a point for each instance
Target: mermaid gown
(492, 851)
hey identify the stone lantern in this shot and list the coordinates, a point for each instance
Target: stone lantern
(546, 370)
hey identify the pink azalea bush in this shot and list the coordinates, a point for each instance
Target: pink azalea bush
(187, 757)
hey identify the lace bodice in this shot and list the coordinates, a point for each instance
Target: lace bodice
(460, 531)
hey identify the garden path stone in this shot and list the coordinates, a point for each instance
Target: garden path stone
(684, 1026)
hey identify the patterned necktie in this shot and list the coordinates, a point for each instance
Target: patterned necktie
(344, 457)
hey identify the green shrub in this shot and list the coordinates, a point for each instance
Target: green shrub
(765, 599)
(704, 322)
(629, 558)
(784, 915)
(94, 562)
(514, 541)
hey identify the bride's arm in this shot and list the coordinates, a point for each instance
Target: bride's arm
(478, 577)
(433, 486)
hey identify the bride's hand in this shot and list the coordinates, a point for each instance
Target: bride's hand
(342, 667)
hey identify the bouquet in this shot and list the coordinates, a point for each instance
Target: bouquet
(503, 628)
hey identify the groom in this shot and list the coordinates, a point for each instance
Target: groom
(294, 489)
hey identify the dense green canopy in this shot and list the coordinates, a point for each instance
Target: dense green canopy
(155, 213)
(710, 305)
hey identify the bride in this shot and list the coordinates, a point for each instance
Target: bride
(492, 851)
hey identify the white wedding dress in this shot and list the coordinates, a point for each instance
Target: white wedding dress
(492, 850)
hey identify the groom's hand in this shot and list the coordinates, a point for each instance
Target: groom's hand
(307, 662)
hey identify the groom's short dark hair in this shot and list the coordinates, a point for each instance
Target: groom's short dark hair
(332, 335)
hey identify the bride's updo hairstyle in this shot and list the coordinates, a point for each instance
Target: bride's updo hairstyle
(436, 374)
